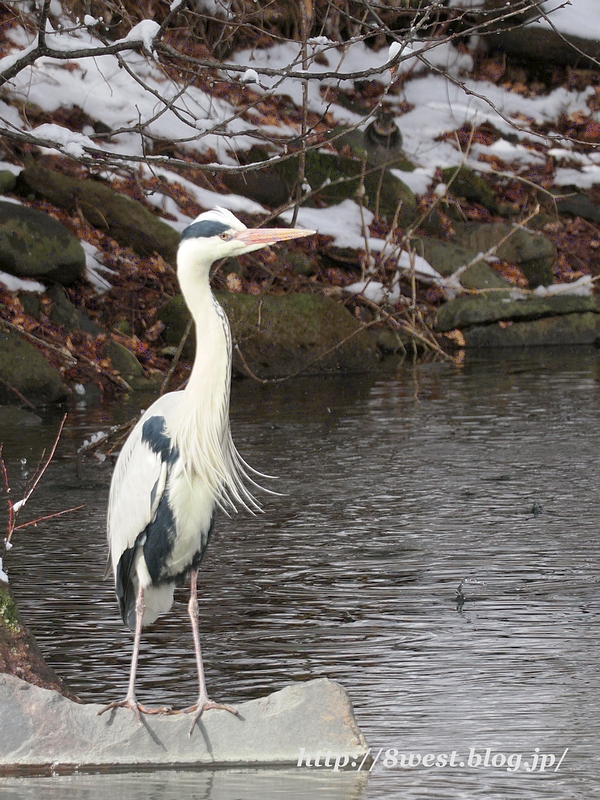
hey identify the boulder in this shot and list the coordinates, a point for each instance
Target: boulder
(537, 44)
(579, 205)
(568, 329)
(126, 220)
(280, 335)
(533, 252)
(20, 655)
(35, 245)
(467, 183)
(481, 276)
(41, 727)
(468, 312)
(446, 257)
(25, 369)
(336, 178)
(65, 313)
(8, 181)
(373, 147)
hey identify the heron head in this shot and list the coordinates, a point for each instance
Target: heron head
(218, 234)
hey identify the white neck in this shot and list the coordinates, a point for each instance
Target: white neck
(201, 431)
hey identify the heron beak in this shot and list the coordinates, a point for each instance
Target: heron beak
(262, 237)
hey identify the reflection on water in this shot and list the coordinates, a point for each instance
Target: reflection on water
(227, 784)
(434, 548)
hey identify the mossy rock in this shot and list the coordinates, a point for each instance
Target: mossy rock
(282, 335)
(568, 329)
(481, 276)
(533, 252)
(124, 219)
(8, 181)
(66, 314)
(336, 178)
(363, 150)
(124, 361)
(467, 183)
(175, 316)
(19, 652)
(35, 245)
(468, 312)
(23, 367)
(447, 257)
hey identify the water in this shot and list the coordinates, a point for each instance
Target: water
(434, 548)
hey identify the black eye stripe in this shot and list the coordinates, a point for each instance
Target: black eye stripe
(204, 229)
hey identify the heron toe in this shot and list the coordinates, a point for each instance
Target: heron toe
(137, 708)
(200, 707)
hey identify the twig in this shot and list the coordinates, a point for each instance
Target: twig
(48, 516)
(21, 397)
(13, 509)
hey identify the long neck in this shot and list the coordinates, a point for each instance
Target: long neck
(208, 388)
(201, 430)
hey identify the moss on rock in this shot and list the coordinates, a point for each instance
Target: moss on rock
(279, 335)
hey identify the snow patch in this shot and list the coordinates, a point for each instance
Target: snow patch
(14, 284)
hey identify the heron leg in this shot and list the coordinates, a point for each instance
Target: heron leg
(130, 700)
(204, 703)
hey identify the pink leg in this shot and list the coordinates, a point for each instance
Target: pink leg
(203, 703)
(131, 700)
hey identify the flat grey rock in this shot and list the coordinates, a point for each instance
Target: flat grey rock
(41, 728)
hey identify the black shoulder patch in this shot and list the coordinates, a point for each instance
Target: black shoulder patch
(204, 229)
(155, 436)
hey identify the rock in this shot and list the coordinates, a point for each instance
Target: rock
(579, 206)
(124, 360)
(34, 245)
(538, 44)
(264, 185)
(65, 313)
(302, 263)
(569, 329)
(25, 368)
(468, 312)
(175, 316)
(447, 257)
(41, 727)
(467, 183)
(281, 335)
(20, 655)
(8, 181)
(388, 341)
(533, 252)
(130, 369)
(379, 145)
(336, 178)
(31, 303)
(127, 221)
(481, 276)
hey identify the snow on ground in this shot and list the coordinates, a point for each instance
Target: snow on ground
(122, 98)
(14, 284)
(577, 18)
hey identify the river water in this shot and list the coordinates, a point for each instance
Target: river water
(434, 548)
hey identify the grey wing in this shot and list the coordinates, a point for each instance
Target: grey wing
(136, 488)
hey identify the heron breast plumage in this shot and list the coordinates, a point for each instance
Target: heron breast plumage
(161, 539)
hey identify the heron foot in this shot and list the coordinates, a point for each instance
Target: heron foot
(137, 708)
(203, 704)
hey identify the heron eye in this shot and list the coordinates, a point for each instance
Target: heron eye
(225, 236)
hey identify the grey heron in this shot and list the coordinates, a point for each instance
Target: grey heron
(179, 462)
